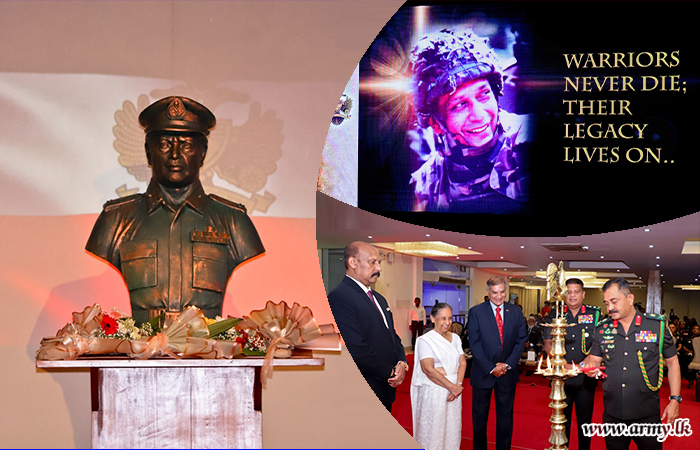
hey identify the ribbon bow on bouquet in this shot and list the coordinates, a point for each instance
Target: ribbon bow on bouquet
(73, 339)
(288, 328)
(187, 335)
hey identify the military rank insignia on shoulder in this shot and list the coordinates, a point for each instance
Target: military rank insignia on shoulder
(655, 316)
(115, 203)
(228, 202)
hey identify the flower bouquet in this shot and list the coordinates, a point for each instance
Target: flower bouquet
(271, 332)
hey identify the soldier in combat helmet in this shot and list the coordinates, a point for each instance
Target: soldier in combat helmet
(474, 153)
(174, 245)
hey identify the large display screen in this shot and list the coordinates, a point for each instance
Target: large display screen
(475, 116)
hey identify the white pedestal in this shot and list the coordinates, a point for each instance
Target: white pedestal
(169, 403)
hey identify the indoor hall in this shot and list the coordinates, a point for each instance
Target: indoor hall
(667, 251)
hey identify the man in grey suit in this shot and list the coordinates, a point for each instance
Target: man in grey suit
(367, 324)
(497, 336)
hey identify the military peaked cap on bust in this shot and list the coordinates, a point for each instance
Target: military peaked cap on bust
(177, 114)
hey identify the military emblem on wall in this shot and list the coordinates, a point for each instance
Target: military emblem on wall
(240, 158)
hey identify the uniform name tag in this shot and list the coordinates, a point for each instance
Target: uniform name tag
(210, 235)
(645, 336)
(585, 318)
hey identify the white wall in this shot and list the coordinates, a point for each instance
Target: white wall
(401, 281)
(294, 58)
(478, 290)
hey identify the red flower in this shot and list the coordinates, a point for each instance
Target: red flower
(241, 340)
(109, 325)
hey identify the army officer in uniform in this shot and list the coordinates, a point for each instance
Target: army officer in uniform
(580, 390)
(174, 245)
(633, 346)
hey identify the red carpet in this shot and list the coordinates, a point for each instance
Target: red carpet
(532, 414)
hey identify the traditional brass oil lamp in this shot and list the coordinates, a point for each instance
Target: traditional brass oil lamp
(554, 370)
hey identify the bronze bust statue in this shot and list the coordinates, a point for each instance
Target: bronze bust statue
(174, 245)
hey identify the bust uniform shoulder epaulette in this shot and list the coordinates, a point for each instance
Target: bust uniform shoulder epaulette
(593, 307)
(111, 204)
(227, 202)
(655, 316)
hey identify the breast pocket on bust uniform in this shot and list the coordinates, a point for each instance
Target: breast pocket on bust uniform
(139, 263)
(209, 266)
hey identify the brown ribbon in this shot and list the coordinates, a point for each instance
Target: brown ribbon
(287, 328)
(188, 335)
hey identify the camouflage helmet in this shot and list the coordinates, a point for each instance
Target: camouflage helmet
(444, 60)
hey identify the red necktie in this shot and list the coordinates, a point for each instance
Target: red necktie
(371, 299)
(499, 321)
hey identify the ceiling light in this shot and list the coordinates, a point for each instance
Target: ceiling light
(691, 247)
(565, 248)
(427, 248)
(687, 287)
(597, 265)
(593, 283)
(582, 275)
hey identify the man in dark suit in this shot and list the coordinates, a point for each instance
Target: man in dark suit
(497, 336)
(366, 323)
(534, 334)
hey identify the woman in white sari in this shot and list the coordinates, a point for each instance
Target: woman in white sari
(436, 386)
